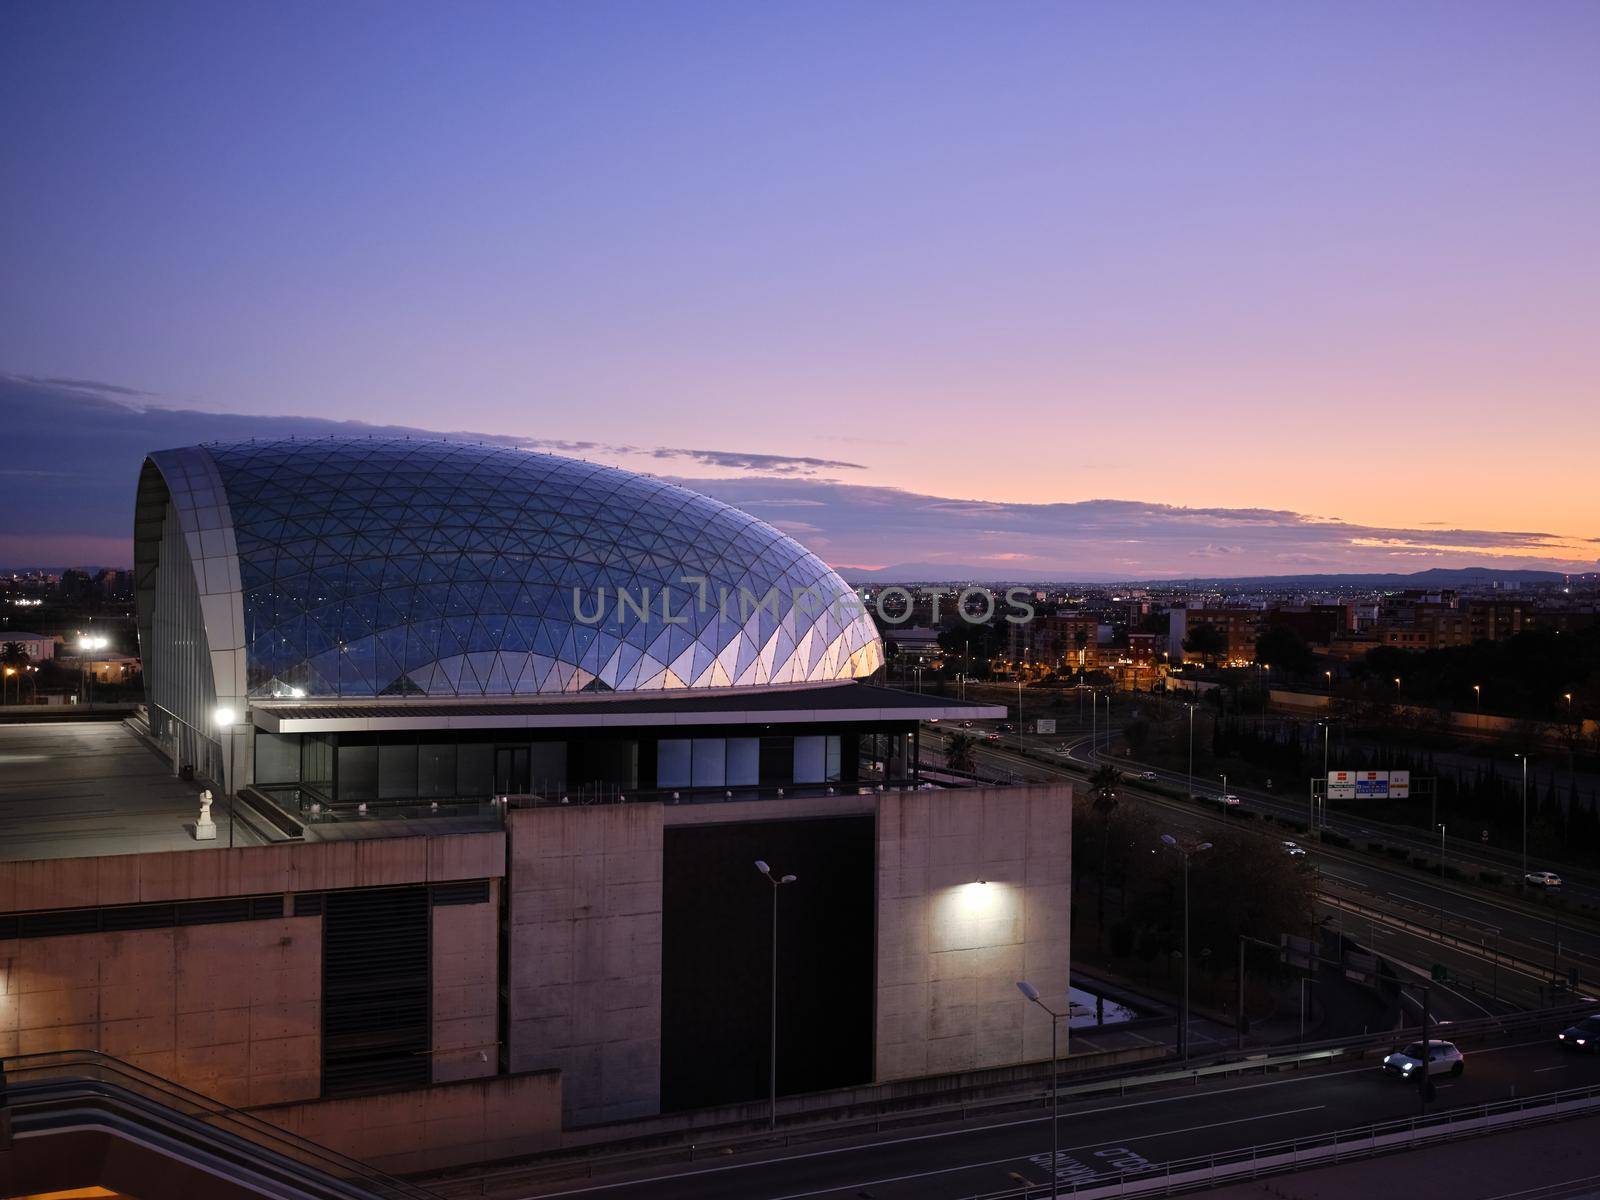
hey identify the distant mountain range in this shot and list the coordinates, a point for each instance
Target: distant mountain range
(1436, 577)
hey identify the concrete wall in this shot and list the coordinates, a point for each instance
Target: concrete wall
(232, 1011)
(248, 870)
(466, 989)
(431, 1128)
(974, 894)
(585, 955)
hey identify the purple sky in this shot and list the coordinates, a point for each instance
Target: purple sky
(1338, 260)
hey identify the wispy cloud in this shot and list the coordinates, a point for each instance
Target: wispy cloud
(76, 451)
(781, 464)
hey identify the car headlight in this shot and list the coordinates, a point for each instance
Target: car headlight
(1581, 1041)
(1408, 1067)
(1561, 1037)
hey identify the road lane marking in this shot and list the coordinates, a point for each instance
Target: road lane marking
(994, 1162)
(964, 1130)
(1542, 1070)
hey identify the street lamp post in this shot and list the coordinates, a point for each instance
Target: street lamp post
(1524, 759)
(1191, 750)
(1032, 993)
(1019, 715)
(1187, 852)
(772, 1079)
(1477, 695)
(86, 644)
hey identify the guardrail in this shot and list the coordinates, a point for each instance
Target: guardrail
(721, 1143)
(1436, 933)
(1363, 1141)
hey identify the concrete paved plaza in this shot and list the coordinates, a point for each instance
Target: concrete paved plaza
(80, 788)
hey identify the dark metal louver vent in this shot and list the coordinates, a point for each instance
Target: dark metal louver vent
(375, 990)
(63, 921)
(138, 916)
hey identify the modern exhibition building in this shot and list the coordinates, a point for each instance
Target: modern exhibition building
(496, 740)
(409, 623)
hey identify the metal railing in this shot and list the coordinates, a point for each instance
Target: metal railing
(1362, 1141)
(1434, 932)
(54, 1090)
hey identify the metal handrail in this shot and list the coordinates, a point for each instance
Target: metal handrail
(1208, 1170)
(46, 1077)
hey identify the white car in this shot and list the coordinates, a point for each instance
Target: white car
(1294, 849)
(1229, 799)
(1443, 1059)
(1545, 879)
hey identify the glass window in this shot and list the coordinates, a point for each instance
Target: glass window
(358, 772)
(833, 754)
(277, 757)
(436, 770)
(672, 763)
(777, 761)
(548, 767)
(710, 762)
(810, 759)
(397, 771)
(475, 769)
(744, 762)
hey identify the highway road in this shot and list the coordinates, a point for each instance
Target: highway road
(1527, 929)
(1098, 1137)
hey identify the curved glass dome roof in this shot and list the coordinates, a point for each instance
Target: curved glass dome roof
(379, 567)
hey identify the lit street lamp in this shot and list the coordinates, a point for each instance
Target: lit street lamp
(772, 1081)
(1032, 993)
(1187, 853)
(85, 645)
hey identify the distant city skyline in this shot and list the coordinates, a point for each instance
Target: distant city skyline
(1097, 287)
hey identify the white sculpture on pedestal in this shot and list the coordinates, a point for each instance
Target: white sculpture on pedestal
(205, 829)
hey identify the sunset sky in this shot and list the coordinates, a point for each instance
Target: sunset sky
(1334, 263)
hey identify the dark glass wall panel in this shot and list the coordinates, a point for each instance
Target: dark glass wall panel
(357, 768)
(436, 770)
(277, 757)
(716, 959)
(475, 769)
(397, 769)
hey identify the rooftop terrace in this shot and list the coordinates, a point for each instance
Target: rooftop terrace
(73, 789)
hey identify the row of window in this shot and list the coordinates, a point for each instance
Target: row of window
(747, 761)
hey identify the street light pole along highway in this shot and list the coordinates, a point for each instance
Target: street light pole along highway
(1187, 852)
(772, 1080)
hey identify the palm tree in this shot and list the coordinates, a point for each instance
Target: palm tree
(14, 660)
(961, 752)
(1104, 783)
